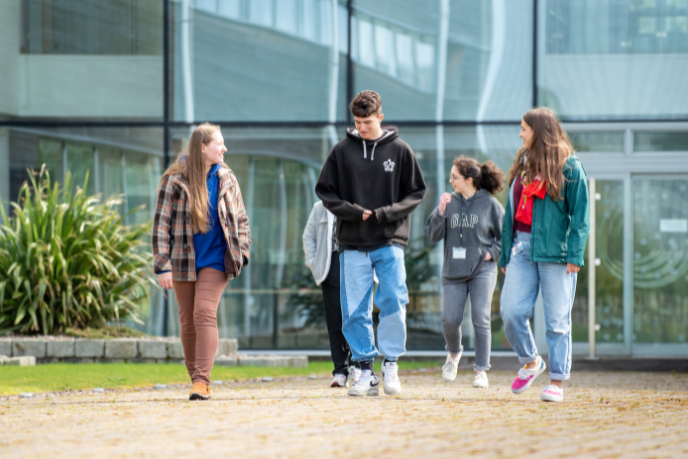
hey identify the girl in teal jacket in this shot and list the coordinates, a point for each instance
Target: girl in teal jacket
(544, 233)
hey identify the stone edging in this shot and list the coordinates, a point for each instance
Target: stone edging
(29, 351)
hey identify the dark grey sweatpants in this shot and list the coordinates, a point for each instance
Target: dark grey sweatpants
(454, 297)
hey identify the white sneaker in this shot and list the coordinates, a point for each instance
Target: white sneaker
(481, 380)
(354, 374)
(552, 394)
(390, 378)
(367, 384)
(450, 368)
(339, 380)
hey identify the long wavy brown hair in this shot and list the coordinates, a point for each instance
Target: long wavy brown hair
(191, 165)
(547, 154)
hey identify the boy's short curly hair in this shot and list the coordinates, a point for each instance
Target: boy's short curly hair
(365, 104)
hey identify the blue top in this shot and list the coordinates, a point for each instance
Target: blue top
(211, 247)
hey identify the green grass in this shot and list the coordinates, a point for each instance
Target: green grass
(64, 376)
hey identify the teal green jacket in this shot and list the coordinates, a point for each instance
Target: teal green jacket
(560, 228)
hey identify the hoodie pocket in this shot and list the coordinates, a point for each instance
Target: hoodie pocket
(457, 268)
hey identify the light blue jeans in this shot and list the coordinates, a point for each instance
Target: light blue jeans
(356, 274)
(523, 280)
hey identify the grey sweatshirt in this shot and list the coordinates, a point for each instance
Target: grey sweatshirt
(479, 232)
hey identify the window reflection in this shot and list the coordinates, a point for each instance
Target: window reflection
(483, 47)
(263, 60)
(660, 141)
(617, 26)
(597, 141)
(114, 27)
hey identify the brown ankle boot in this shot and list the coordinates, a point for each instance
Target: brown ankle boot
(200, 391)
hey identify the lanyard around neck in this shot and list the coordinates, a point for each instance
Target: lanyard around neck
(463, 201)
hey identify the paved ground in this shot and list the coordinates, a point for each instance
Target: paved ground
(605, 415)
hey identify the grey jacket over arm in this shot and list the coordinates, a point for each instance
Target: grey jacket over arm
(317, 242)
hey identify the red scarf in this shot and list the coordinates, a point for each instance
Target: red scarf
(535, 189)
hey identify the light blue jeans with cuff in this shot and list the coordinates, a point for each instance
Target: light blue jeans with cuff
(356, 274)
(524, 279)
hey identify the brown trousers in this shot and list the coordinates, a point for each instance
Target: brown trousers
(198, 303)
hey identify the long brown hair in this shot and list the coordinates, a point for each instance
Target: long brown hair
(548, 152)
(485, 176)
(191, 165)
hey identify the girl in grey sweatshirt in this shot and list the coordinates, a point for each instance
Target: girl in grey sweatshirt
(469, 220)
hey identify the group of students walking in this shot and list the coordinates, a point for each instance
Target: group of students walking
(355, 239)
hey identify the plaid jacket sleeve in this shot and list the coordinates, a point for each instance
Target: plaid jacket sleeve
(162, 240)
(243, 231)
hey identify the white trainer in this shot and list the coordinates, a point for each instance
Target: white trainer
(354, 374)
(450, 367)
(367, 384)
(390, 378)
(481, 380)
(552, 394)
(339, 380)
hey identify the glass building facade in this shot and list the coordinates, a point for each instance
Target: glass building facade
(114, 88)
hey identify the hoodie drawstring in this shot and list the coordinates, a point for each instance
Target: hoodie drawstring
(365, 151)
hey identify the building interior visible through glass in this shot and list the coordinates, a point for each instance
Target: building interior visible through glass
(83, 89)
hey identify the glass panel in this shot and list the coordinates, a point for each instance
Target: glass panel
(616, 26)
(660, 141)
(487, 64)
(579, 79)
(80, 164)
(268, 61)
(597, 141)
(111, 173)
(660, 245)
(76, 148)
(51, 153)
(119, 161)
(609, 311)
(116, 27)
(81, 59)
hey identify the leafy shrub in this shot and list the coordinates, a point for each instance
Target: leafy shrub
(68, 261)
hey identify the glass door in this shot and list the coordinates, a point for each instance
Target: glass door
(610, 274)
(660, 265)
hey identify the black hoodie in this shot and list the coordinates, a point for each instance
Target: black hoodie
(383, 176)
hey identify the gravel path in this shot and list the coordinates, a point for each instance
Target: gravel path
(604, 415)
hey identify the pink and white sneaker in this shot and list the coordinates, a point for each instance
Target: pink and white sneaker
(526, 377)
(552, 394)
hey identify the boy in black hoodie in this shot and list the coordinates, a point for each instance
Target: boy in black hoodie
(372, 182)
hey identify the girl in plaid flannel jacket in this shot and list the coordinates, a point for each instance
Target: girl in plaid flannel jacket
(201, 240)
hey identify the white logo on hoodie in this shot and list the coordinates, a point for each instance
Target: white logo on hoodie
(389, 165)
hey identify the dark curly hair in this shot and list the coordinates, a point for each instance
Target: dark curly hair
(485, 176)
(366, 103)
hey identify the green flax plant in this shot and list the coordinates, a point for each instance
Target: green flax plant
(67, 260)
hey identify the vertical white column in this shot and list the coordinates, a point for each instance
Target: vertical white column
(333, 69)
(629, 260)
(248, 295)
(441, 76)
(592, 250)
(186, 60)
